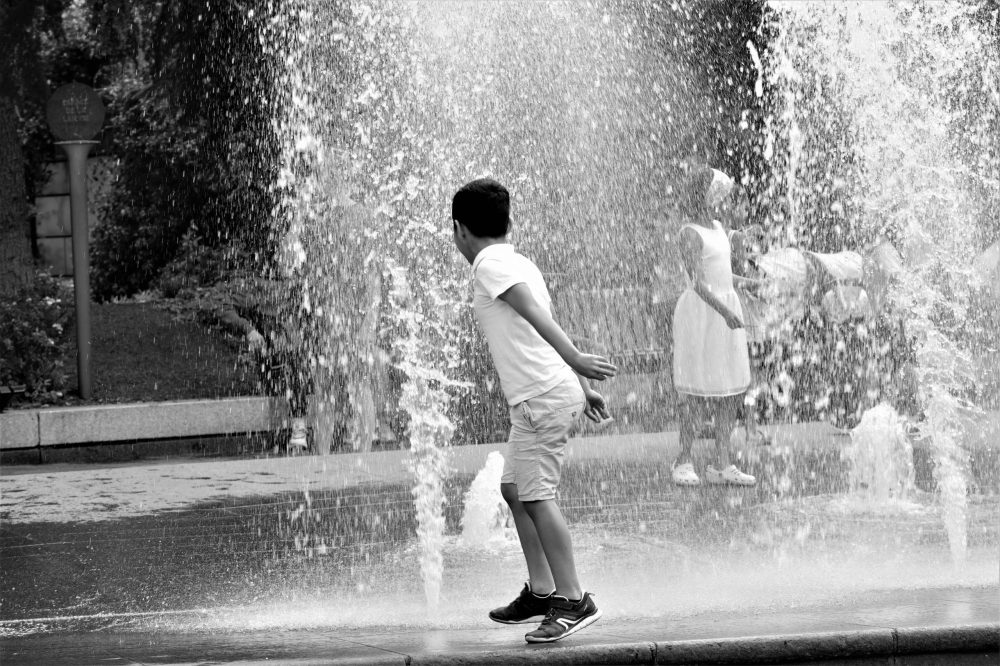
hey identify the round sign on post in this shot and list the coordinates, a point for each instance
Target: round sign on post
(75, 113)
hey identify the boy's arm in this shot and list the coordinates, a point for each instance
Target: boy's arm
(590, 366)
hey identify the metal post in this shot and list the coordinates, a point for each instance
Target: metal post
(77, 152)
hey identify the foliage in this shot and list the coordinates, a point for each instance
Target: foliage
(35, 334)
(147, 214)
(192, 129)
(195, 264)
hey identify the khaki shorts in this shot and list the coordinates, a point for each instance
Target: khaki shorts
(539, 429)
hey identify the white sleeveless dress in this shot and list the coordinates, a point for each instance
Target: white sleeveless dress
(710, 359)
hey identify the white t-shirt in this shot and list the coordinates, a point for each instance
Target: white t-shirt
(528, 365)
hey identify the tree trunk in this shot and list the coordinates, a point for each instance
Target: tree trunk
(16, 265)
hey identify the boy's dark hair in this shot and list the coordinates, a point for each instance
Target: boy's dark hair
(483, 207)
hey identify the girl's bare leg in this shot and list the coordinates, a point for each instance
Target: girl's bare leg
(688, 416)
(725, 417)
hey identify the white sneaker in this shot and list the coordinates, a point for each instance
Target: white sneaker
(299, 441)
(683, 475)
(730, 475)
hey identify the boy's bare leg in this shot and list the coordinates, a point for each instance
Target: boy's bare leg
(540, 578)
(553, 534)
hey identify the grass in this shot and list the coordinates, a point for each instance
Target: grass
(142, 352)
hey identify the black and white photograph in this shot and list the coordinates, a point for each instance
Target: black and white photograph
(404, 332)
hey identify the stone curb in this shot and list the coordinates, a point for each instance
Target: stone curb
(917, 640)
(630, 653)
(28, 429)
(857, 646)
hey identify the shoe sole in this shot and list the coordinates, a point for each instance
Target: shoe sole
(530, 620)
(732, 483)
(582, 624)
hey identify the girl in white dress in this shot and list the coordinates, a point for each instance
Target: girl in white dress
(711, 363)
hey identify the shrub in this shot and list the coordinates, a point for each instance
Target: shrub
(153, 204)
(195, 265)
(35, 334)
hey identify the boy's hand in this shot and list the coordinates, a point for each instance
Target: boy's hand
(596, 409)
(592, 366)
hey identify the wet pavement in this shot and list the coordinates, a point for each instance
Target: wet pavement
(881, 625)
(943, 626)
(312, 560)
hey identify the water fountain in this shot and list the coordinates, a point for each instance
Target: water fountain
(912, 169)
(881, 457)
(485, 515)
(423, 96)
(586, 110)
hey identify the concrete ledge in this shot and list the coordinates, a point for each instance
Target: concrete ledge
(139, 421)
(19, 430)
(776, 649)
(864, 646)
(634, 653)
(923, 640)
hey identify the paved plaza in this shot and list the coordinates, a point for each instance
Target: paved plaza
(312, 560)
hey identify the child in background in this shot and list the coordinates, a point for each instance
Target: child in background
(746, 242)
(711, 364)
(544, 378)
(263, 311)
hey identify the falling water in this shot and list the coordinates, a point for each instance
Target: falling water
(896, 75)
(878, 122)
(418, 98)
(356, 237)
(586, 110)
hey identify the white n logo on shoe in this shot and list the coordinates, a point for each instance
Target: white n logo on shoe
(567, 624)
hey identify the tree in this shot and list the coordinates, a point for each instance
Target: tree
(15, 244)
(21, 85)
(191, 121)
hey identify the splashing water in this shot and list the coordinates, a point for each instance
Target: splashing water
(881, 457)
(418, 98)
(425, 398)
(485, 515)
(581, 108)
(893, 73)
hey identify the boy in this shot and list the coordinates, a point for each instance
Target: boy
(544, 378)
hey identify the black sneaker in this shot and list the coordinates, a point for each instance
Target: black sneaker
(528, 607)
(564, 618)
